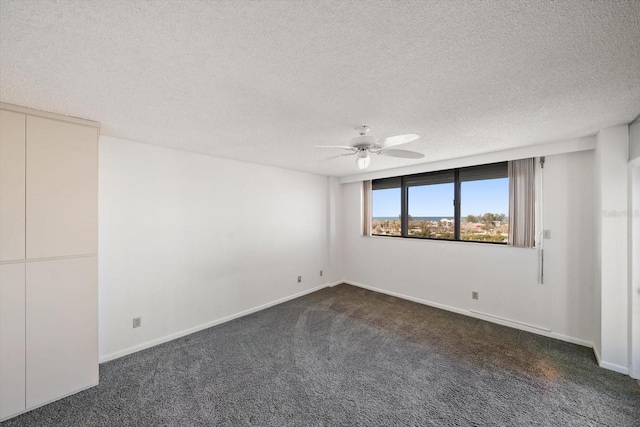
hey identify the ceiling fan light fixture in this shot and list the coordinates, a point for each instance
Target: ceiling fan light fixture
(363, 159)
(363, 144)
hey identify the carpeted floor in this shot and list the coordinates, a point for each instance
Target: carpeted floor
(346, 356)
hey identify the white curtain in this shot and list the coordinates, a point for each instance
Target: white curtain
(366, 208)
(522, 197)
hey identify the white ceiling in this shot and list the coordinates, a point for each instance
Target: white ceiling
(266, 81)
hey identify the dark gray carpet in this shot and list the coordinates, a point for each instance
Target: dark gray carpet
(346, 356)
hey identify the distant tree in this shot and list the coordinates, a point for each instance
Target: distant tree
(490, 219)
(472, 218)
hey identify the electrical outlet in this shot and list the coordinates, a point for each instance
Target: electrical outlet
(299, 279)
(137, 322)
(546, 234)
(320, 273)
(474, 295)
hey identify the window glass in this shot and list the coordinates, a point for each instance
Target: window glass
(484, 210)
(431, 211)
(385, 219)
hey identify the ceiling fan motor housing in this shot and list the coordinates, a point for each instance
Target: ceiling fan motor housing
(363, 141)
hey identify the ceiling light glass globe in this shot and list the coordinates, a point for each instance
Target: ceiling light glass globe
(363, 160)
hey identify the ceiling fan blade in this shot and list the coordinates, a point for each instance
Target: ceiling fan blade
(399, 139)
(346, 147)
(330, 158)
(404, 154)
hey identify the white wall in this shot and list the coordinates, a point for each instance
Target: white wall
(634, 249)
(189, 239)
(445, 273)
(597, 268)
(335, 233)
(569, 254)
(634, 140)
(612, 155)
(634, 268)
(537, 150)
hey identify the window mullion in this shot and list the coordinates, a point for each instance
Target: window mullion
(456, 205)
(404, 209)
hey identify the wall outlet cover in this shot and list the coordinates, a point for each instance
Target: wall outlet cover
(137, 322)
(474, 295)
(299, 279)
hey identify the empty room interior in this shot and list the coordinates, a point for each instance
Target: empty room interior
(319, 213)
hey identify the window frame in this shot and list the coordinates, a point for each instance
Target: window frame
(490, 168)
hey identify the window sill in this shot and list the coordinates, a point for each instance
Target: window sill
(457, 242)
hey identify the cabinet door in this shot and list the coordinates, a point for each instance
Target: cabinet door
(12, 182)
(62, 328)
(62, 188)
(12, 341)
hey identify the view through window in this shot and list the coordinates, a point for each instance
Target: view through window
(484, 210)
(431, 211)
(470, 204)
(386, 216)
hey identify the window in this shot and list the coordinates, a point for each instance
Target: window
(484, 203)
(430, 205)
(386, 207)
(470, 204)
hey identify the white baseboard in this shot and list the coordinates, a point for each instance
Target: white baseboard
(614, 367)
(569, 339)
(607, 365)
(596, 352)
(408, 298)
(167, 338)
(483, 316)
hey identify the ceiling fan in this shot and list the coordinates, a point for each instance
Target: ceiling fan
(363, 145)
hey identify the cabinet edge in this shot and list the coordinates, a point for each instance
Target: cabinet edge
(47, 115)
(22, 261)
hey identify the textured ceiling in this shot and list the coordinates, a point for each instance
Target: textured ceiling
(266, 81)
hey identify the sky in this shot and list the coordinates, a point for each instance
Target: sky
(478, 197)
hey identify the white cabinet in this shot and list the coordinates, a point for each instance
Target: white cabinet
(48, 257)
(62, 182)
(12, 339)
(62, 344)
(12, 185)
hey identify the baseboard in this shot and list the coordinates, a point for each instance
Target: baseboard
(408, 298)
(607, 365)
(569, 339)
(162, 340)
(596, 352)
(614, 367)
(539, 330)
(47, 402)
